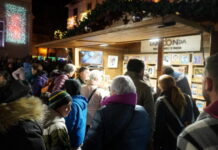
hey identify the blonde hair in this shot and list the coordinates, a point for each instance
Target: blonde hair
(178, 100)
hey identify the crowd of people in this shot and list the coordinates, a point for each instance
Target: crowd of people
(44, 105)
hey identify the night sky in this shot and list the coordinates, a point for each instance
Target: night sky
(49, 15)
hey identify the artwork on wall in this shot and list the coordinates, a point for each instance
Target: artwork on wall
(112, 61)
(151, 70)
(185, 59)
(167, 59)
(175, 59)
(15, 24)
(197, 59)
(198, 73)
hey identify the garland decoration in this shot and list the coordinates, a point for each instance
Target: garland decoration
(109, 11)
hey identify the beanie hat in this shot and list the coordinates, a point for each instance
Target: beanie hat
(58, 98)
(14, 90)
(73, 87)
(69, 68)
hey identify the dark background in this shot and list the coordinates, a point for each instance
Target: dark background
(49, 15)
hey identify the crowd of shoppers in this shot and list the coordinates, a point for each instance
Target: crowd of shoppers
(43, 105)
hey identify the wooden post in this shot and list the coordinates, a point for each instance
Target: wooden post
(160, 57)
(214, 43)
(159, 61)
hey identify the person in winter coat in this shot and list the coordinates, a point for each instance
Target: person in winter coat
(20, 115)
(39, 79)
(69, 70)
(174, 111)
(181, 79)
(135, 69)
(76, 120)
(55, 133)
(120, 124)
(203, 134)
(93, 93)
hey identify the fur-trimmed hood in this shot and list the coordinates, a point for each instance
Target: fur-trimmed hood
(26, 108)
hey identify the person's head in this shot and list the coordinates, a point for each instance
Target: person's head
(84, 73)
(210, 82)
(137, 66)
(73, 87)
(122, 85)
(167, 69)
(69, 69)
(60, 101)
(95, 77)
(167, 83)
(4, 78)
(36, 68)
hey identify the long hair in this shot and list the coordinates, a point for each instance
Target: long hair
(168, 83)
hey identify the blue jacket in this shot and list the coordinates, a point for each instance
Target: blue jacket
(76, 120)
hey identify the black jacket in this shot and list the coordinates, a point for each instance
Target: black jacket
(166, 121)
(26, 135)
(119, 127)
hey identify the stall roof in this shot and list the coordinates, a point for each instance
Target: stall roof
(130, 33)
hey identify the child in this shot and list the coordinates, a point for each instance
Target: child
(55, 132)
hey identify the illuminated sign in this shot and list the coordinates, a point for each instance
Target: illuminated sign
(15, 24)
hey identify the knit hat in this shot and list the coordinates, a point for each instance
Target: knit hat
(58, 98)
(73, 87)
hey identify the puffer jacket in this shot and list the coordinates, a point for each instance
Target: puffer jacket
(19, 127)
(38, 82)
(76, 120)
(144, 94)
(167, 125)
(55, 132)
(120, 125)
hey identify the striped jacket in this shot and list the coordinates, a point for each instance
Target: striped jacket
(203, 134)
(55, 133)
(59, 82)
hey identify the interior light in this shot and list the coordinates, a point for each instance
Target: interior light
(103, 45)
(154, 40)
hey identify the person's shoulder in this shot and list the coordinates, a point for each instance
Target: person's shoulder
(199, 127)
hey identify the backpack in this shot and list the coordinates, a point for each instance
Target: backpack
(48, 86)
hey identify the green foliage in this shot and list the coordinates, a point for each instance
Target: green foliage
(112, 10)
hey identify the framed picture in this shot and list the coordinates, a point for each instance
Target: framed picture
(185, 59)
(175, 59)
(112, 61)
(197, 59)
(198, 73)
(167, 59)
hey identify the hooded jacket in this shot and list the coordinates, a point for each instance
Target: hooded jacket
(19, 127)
(76, 120)
(120, 125)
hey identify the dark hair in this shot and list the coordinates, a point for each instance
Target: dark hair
(73, 87)
(167, 70)
(211, 69)
(82, 69)
(37, 67)
(6, 75)
(135, 65)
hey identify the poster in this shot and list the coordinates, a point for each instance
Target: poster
(112, 61)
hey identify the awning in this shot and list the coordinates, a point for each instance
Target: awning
(130, 33)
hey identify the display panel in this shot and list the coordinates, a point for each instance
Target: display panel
(91, 57)
(15, 24)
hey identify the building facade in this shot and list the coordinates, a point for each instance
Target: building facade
(15, 28)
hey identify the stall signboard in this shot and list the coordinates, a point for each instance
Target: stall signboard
(175, 44)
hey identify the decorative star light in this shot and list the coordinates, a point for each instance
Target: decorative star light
(15, 24)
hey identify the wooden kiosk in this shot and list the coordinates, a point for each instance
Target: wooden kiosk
(120, 43)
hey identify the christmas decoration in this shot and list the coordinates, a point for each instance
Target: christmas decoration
(15, 24)
(112, 10)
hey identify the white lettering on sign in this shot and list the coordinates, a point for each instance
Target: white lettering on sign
(185, 43)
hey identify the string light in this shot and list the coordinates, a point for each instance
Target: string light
(15, 24)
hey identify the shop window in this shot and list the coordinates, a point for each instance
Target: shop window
(89, 6)
(2, 39)
(75, 11)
